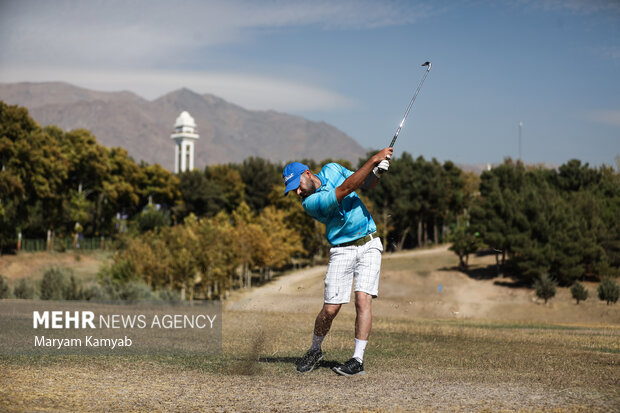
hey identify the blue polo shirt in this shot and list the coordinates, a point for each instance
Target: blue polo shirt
(345, 221)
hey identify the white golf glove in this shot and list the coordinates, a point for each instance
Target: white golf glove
(381, 168)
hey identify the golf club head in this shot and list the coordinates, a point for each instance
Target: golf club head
(429, 64)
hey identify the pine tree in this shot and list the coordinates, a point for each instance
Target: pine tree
(579, 292)
(545, 287)
(463, 244)
(608, 290)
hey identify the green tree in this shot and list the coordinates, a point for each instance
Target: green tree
(545, 287)
(15, 124)
(437, 193)
(496, 216)
(579, 292)
(41, 168)
(150, 257)
(458, 197)
(152, 218)
(228, 182)
(609, 291)
(199, 198)
(182, 241)
(258, 176)
(250, 243)
(216, 260)
(51, 179)
(121, 187)
(81, 209)
(205, 194)
(398, 200)
(88, 169)
(573, 176)
(282, 242)
(158, 185)
(463, 244)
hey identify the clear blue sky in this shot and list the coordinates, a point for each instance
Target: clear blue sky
(553, 65)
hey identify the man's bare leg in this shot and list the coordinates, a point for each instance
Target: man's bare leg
(363, 319)
(321, 327)
(324, 320)
(363, 323)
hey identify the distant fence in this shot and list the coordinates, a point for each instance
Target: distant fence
(64, 244)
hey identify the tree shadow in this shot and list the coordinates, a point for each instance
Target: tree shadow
(489, 272)
(479, 273)
(294, 360)
(511, 283)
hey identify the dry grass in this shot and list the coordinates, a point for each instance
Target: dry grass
(415, 361)
(84, 264)
(415, 365)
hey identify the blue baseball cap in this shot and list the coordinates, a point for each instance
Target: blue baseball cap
(292, 174)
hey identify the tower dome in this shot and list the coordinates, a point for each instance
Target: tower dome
(185, 123)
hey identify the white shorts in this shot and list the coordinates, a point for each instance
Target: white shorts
(345, 263)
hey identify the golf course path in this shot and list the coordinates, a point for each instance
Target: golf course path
(302, 290)
(428, 284)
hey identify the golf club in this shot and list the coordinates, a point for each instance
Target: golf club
(411, 103)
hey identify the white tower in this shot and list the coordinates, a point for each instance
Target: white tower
(184, 135)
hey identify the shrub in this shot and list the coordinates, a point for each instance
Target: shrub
(169, 295)
(24, 289)
(545, 287)
(135, 291)
(74, 290)
(95, 292)
(53, 284)
(5, 290)
(151, 218)
(114, 289)
(121, 271)
(579, 292)
(608, 291)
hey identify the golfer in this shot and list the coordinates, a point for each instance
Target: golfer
(355, 256)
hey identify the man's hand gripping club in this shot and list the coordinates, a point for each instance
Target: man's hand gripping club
(365, 176)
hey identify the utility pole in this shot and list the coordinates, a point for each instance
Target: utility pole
(520, 127)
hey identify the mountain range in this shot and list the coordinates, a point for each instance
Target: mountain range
(228, 133)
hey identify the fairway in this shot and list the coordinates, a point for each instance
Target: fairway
(474, 345)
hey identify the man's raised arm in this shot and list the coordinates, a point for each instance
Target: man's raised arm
(359, 177)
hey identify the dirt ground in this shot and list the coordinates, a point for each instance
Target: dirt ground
(471, 345)
(433, 289)
(124, 388)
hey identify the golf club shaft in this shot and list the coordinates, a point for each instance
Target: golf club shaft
(411, 103)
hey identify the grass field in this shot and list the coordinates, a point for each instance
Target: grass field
(83, 264)
(429, 351)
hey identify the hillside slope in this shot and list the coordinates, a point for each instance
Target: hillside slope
(228, 133)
